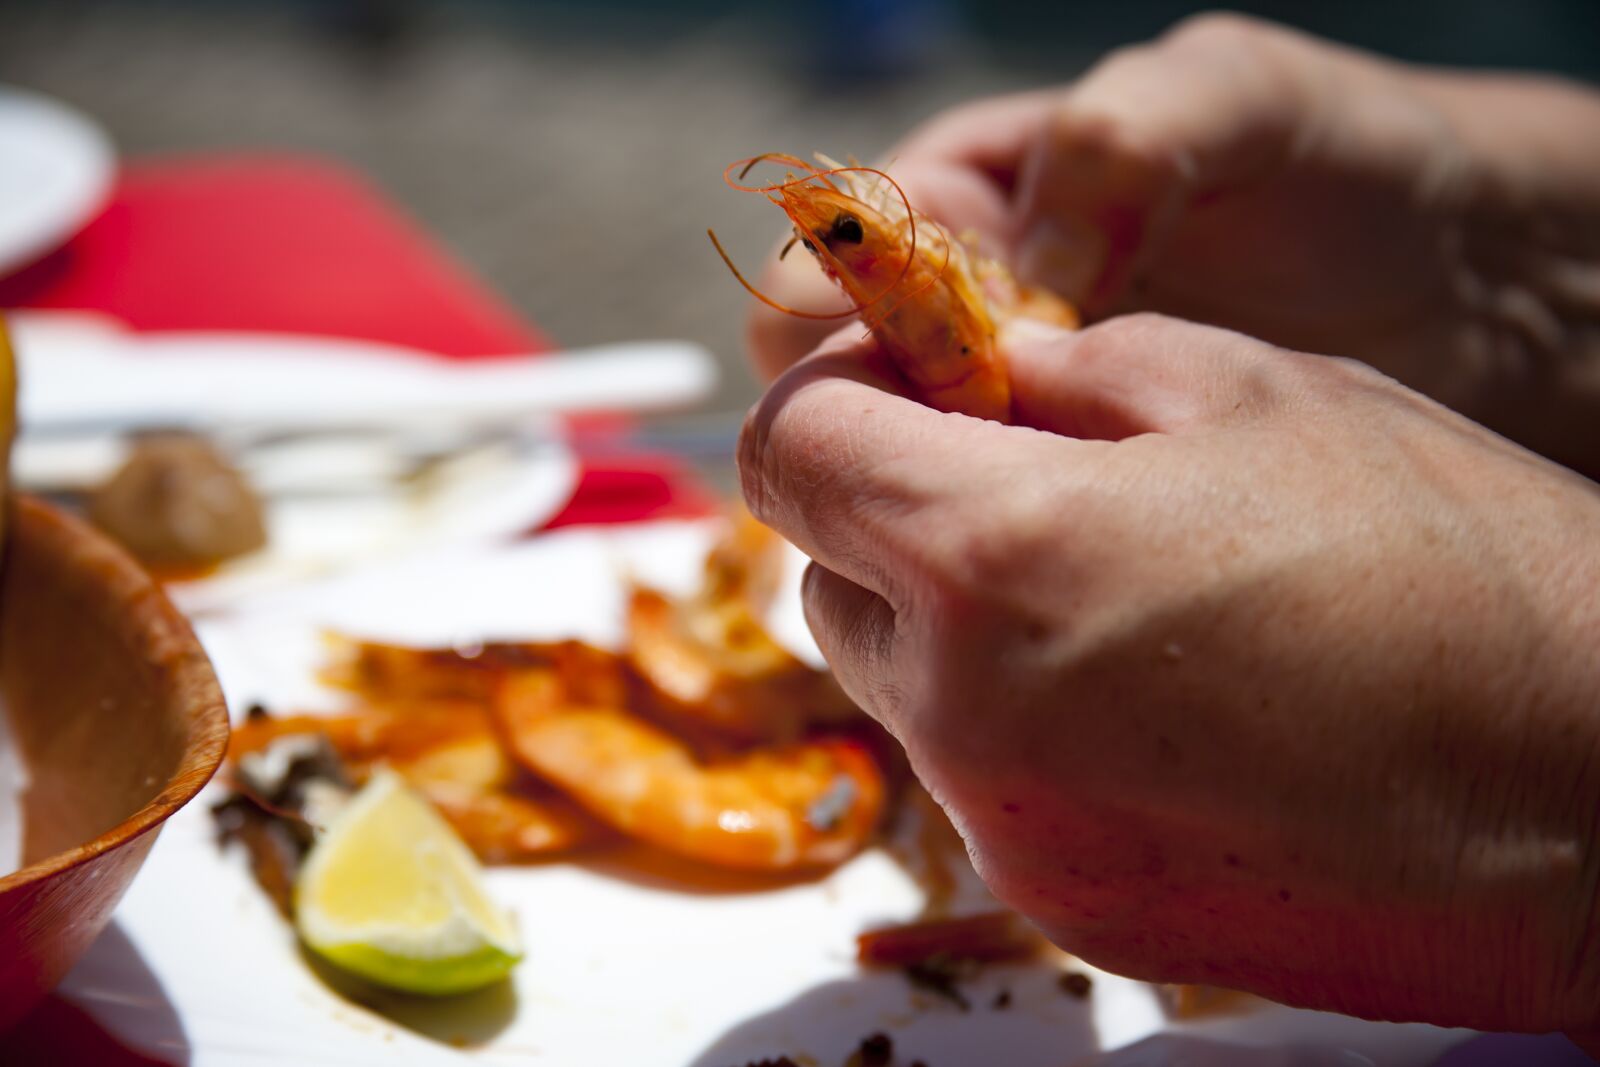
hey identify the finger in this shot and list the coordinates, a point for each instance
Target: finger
(1138, 138)
(850, 471)
(961, 199)
(991, 136)
(855, 629)
(1144, 373)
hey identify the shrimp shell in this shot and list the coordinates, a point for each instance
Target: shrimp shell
(930, 300)
(809, 804)
(450, 752)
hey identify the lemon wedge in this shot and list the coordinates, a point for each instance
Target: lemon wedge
(389, 892)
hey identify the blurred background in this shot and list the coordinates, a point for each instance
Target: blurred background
(569, 151)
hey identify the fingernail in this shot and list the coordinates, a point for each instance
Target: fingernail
(1063, 255)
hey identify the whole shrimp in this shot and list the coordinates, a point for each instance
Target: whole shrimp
(712, 662)
(932, 302)
(809, 804)
(450, 752)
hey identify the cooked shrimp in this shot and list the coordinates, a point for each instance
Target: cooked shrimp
(931, 301)
(746, 563)
(718, 668)
(454, 737)
(805, 805)
(990, 937)
(711, 657)
(383, 672)
(450, 752)
(505, 827)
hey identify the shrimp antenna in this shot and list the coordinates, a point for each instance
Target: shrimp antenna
(824, 175)
(772, 157)
(253, 796)
(767, 300)
(747, 165)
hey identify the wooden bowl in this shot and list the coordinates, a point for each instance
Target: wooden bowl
(119, 720)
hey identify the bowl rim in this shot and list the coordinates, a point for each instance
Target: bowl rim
(190, 672)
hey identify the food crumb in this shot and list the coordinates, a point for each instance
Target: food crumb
(876, 1050)
(1075, 984)
(940, 975)
(1002, 1000)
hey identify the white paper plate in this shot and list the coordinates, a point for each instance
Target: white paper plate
(56, 168)
(620, 969)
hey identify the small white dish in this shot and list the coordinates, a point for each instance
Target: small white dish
(56, 169)
(342, 481)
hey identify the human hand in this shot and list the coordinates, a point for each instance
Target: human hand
(1443, 227)
(1231, 664)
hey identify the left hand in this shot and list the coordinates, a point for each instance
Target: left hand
(1231, 664)
(1442, 226)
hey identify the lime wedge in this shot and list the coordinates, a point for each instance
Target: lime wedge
(389, 892)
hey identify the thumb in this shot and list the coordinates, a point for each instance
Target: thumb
(1144, 373)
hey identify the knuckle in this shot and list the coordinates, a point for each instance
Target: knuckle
(789, 443)
(1306, 381)
(987, 561)
(1105, 344)
(1245, 383)
(885, 698)
(753, 463)
(1127, 56)
(1217, 31)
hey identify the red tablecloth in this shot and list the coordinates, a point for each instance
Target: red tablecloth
(279, 243)
(300, 245)
(290, 244)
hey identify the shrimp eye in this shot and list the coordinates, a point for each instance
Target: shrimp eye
(847, 228)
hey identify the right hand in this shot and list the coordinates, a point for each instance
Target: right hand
(1444, 228)
(1231, 664)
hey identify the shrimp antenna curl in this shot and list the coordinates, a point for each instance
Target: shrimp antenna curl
(815, 173)
(767, 300)
(747, 165)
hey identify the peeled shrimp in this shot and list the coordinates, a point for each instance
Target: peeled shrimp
(809, 804)
(932, 302)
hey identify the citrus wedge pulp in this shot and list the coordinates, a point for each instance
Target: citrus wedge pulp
(389, 892)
